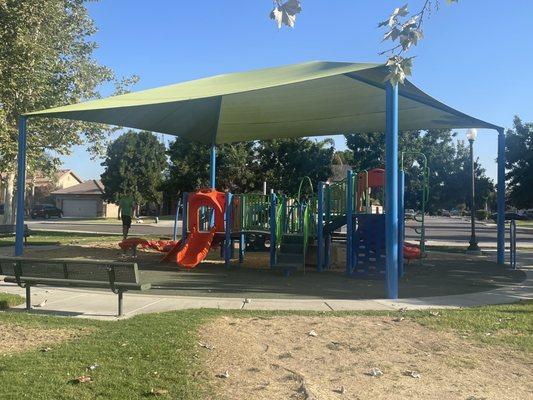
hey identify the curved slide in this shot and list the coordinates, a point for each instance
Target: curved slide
(193, 250)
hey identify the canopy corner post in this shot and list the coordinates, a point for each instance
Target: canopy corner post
(213, 166)
(501, 197)
(21, 187)
(391, 191)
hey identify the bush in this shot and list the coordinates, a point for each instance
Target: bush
(482, 215)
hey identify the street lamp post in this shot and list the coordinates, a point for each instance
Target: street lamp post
(471, 136)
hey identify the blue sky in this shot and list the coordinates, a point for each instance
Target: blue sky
(476, 55)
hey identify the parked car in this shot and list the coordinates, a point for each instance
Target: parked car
(528, 213)
(456, 213)
(510, 215)
(45, 211)
(445, 213)
(410, 213)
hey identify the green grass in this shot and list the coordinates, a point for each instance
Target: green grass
(159, 351)
(508, 325)
(43, 238)
(134, 356)
(10, 300)
(525, 223)
(447, 249)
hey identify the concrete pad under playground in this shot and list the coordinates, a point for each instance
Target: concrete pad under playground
(102, 305)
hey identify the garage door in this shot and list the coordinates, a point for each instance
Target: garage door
(80, 208)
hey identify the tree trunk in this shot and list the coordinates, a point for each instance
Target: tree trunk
(9, 206)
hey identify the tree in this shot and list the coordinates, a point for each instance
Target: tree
(243, 167)
(284, 162)
(519, 162)
(449, 164)
(134, 165)
(403, 28)
(190, 166)
(46, 60)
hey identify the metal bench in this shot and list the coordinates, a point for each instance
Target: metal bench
(10, 230)
(27, 272)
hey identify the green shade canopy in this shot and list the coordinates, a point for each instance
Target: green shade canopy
(310, 99)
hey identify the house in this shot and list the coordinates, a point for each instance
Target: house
(39, 186)
(63, 178)
(84, 200)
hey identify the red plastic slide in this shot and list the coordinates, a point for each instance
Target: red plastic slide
(159, 245)
(411, 252)
(193, 251)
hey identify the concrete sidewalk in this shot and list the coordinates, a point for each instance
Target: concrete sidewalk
(103, 305)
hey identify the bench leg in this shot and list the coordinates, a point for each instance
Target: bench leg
(28, 297)
(120, 303)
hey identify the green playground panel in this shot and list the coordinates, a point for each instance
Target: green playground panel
(253, 211)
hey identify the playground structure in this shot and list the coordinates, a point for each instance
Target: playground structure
(287, 226)
(309, 99)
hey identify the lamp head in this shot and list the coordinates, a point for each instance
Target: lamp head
(471, 134)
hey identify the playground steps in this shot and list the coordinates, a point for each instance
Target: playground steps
(290, 257)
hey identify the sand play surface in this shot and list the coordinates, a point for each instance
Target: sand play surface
(278, 358)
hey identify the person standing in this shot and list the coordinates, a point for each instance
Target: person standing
(126, 208)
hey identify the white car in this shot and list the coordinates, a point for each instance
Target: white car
(409, 213)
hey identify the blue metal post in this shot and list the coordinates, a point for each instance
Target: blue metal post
(320, 228)
(21, 188)
(273, 238)
(391, 191)
(401, 221)
(227, 241)
(242, 247)
(184, 216)
(213, 166)
(349, 222)
(501, 196)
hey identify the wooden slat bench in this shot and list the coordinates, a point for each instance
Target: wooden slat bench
(27, 272)
(10, 230)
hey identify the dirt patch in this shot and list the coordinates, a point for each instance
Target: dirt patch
(17, 338)
(278, 358)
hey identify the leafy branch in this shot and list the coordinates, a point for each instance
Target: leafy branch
(404, 29)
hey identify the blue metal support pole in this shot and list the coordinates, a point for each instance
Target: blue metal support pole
(21, 187)
(320, 228)
(213, 166)
(401, 221)
(391, 191)
(349, 222)
(273, 238)
(228, 244)
(501, 196)
(242, 247)
(184, 217)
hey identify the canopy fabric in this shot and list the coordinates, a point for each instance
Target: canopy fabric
(310, 99)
